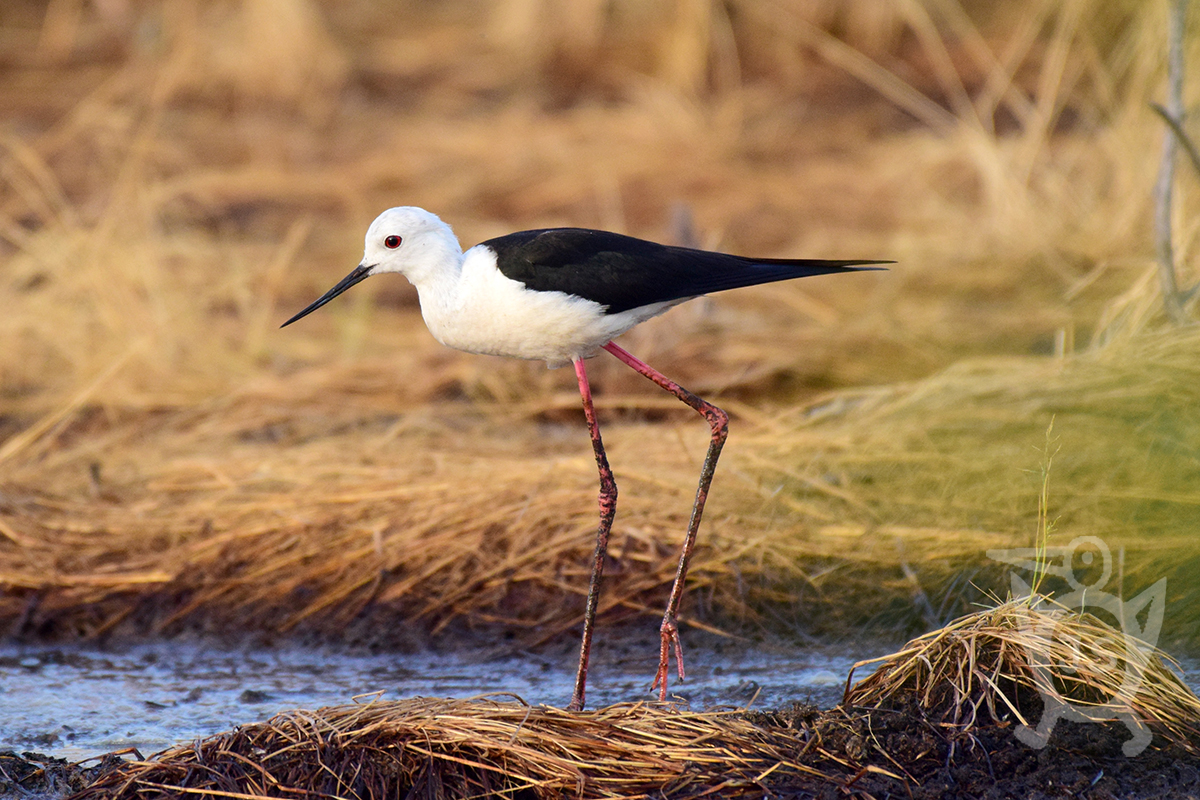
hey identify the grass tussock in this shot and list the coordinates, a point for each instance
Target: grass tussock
(1015, 662)
(959, 451)
(468, 748)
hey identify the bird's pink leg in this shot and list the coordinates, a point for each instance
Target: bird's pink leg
(718, 420)
(608, 509)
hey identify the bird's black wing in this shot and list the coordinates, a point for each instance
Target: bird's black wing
(622, 273)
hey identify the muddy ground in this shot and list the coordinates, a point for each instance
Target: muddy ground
(1079, 761)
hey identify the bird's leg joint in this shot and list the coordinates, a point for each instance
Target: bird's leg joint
(718, 420)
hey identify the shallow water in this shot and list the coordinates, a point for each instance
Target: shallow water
(79, 702)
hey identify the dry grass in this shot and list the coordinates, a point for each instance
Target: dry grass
(179, 177)
(959, 451)
(309, 503)
(469, 748)
(194, 212)
(986, 667)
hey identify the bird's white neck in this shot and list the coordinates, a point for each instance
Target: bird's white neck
(434, 266)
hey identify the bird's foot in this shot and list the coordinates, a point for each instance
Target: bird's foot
(670, 640)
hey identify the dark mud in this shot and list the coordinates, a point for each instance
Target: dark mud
(31, 774)
(926, 760)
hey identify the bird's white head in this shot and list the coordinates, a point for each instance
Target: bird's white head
(408, 240)
(411, 241)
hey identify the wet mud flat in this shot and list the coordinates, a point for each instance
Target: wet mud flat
(78, 702)
(391, 750)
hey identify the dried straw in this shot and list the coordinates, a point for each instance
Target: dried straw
(993, 666)
(468, 748)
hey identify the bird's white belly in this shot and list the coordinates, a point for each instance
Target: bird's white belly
(494, 315)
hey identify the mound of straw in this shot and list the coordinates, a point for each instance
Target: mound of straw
(468, 748)
(994, 665)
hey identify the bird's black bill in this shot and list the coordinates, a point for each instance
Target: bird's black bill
(360, 272)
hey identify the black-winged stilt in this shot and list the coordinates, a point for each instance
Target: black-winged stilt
(560, 295)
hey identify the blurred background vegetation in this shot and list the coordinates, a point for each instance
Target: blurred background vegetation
(177, 177)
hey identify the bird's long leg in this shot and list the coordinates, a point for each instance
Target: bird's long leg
(718, 420)
(608, 509)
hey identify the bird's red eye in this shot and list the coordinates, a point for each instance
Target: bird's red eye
(392, 242)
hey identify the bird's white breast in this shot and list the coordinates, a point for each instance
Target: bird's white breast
(485, 312)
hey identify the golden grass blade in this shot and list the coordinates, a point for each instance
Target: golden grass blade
(842, 55)
(16, 444)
